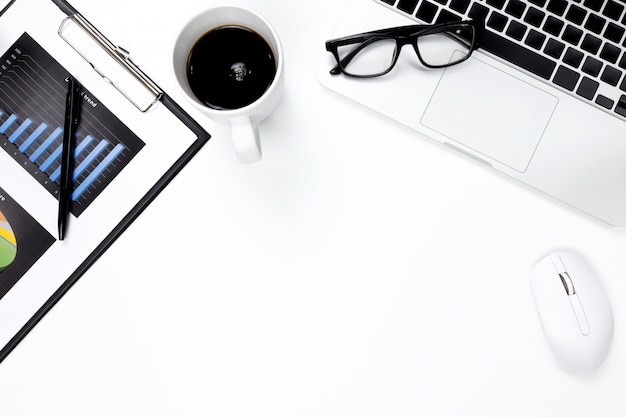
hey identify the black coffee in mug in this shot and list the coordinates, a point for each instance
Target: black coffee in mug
(230, 67)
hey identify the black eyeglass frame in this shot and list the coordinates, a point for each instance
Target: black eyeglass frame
(403, 35)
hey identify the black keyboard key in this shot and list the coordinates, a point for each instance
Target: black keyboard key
(576, 14)
(478, 12)
(592, 66)
(621, 106)
(613, 10)
(595, 23)
(497, 21)
(591, 44)
(427, 11)
(498, 4)
(622, 86)
(622, 62)
(611, 75)
(448, 17)
(614, 32)
(515, 8)
(391, 2)
(534, 17)
(539, 3)
(407, 6)
(588, 88)
(460, 6)
(605, 102)
(566, 78)
(516, 30)
(554, 48)
(442, 2)
(594, 4)
(610, 53)
(553, 26)
(557, 7)
(572, 35)
(535, 39)
(517, 55)
(573, 57)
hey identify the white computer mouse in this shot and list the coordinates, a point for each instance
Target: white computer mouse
(574, 310)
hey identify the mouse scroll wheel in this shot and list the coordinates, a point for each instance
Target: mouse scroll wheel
(567, 283)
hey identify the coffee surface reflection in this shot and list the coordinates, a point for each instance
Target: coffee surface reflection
(230, 67)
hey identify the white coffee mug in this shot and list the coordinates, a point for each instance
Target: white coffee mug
(243, 121)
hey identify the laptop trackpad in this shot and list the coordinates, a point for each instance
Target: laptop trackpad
(490, 112)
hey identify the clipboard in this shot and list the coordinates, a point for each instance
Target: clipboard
(135, 140)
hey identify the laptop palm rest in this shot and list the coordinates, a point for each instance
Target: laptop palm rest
(490, 112)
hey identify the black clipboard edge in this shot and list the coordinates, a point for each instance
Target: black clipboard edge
(202, 138)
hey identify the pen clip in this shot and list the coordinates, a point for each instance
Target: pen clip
(151, 92)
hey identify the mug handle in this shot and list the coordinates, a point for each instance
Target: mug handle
(245, 140)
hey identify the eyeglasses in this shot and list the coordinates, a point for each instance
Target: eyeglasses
(373, 54)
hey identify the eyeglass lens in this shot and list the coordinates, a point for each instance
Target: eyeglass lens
(445, 48)
(371, 57)
(375, 56)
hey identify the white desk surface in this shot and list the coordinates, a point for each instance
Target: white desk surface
(358, 270)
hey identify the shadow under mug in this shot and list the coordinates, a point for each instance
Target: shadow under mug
(243, 121)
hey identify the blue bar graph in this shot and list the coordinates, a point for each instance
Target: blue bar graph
(46, 144)
(33, 137)
(32, 114)
(8, 123)
(99, 149)
(94, 163)
(92, 157)
(20, 130)
(56, 154)
(98, 171)
(84, 164)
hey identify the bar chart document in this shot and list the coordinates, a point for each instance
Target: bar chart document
(124, 155)
(32, 96)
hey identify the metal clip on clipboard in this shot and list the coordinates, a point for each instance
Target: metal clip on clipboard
(125, 76)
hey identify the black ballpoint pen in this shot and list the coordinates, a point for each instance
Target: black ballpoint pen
(72, 116)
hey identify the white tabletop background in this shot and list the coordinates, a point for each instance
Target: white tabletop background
(358, 270)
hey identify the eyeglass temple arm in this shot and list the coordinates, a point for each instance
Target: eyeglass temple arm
(395, 31)
(400, 30)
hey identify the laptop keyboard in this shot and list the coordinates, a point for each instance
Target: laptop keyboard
(577, 45)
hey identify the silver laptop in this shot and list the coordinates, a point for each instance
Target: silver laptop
(543, 98)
